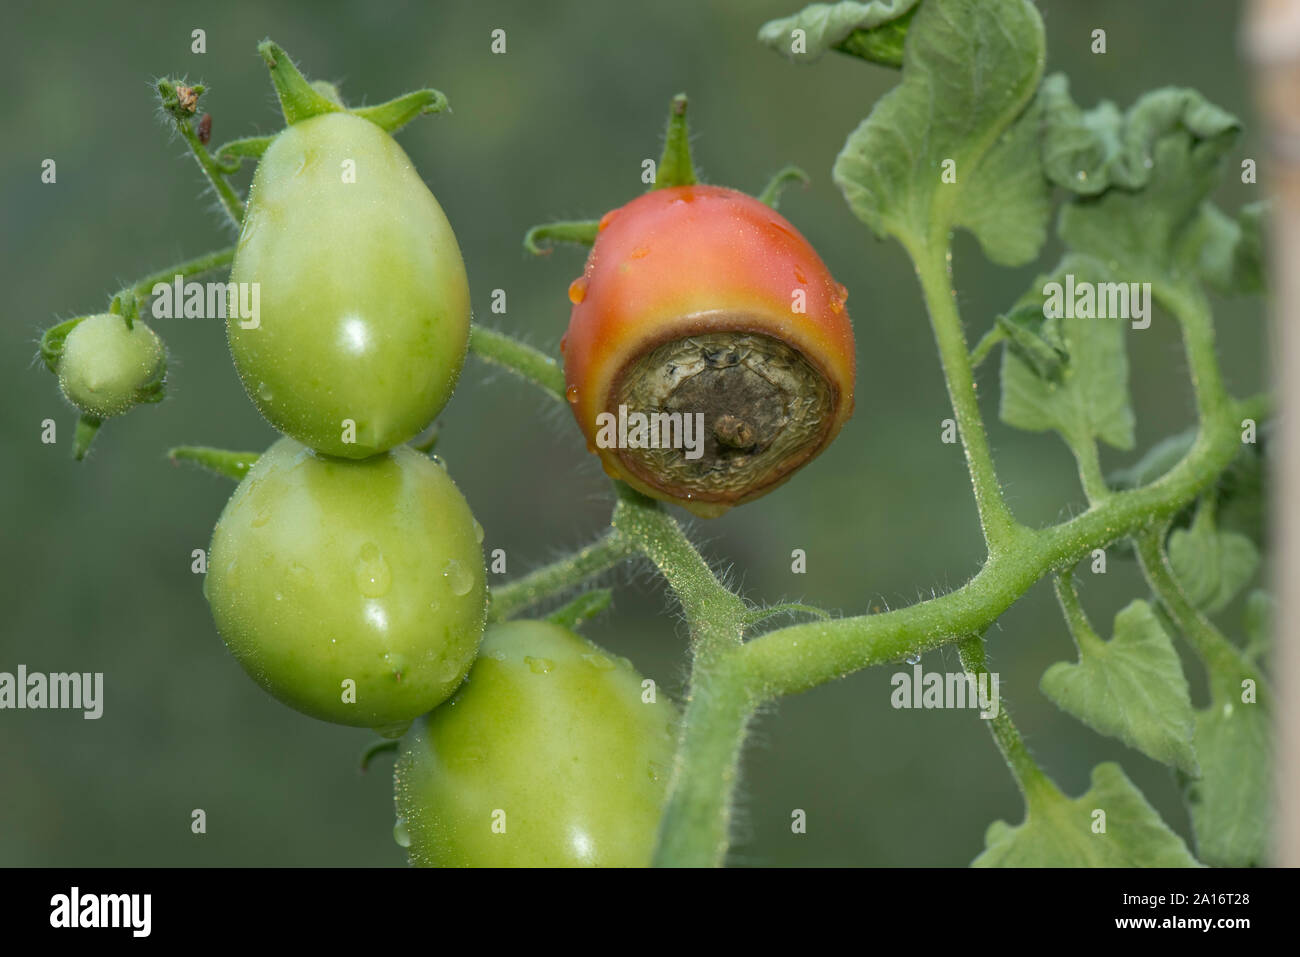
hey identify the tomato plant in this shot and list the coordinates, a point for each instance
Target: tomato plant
(346, 573)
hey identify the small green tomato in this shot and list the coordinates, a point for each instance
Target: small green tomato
(352, 591)
(105, 368)
(552, 754)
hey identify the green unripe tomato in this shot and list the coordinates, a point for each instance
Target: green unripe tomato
(548, 756)
(363, 304)
(352, 591)
(105, 368)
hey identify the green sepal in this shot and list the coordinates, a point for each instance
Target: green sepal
(234, 465)
(299, 100)
(582, 608)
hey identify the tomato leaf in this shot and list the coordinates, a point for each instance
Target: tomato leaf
(1145, 178)
(1131, 687)
(874, 31)
(1231, 802)
(1059, 831)
(1211, 564)
(1089, 397)
(1232, 255)
(913, 169)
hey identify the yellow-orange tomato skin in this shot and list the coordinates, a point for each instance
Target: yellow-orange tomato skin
(691, 259)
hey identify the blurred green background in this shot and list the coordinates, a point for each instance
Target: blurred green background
(96, 557)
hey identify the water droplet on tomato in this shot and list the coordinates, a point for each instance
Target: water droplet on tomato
(564, 341)
(639, 253)
(458, 579)
(400, 834)
(800, 275)
(478, 532)
(264, 392)
(374, 577)
(578, 290)
(599, 662)
(606, 220)
(572, 393)
(842, 291)
(538, 666)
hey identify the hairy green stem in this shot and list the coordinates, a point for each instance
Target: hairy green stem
(695, 828)
(1029, 777)
(1090, 474)
(987, 343)
(525, 361)
(803, 656)
(604, 553)
(716, 615)
(696, 824)
(933, 269)
(1222, 659)
(1076, 619)
(215, 172)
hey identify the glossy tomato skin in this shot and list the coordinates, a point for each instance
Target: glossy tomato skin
(687, 260)
(363, 304)
(547, 756)
(105, 367)
(324, 571)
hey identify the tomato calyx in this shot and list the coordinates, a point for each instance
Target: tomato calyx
(301, 99)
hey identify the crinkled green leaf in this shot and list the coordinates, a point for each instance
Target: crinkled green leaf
(1058, 831)
(1232, 256)
(1151, 227)
(874, 31)
(1231, 802)
(1089, 151)
(970, 68)
(1131, 687)
(1211, 564)
(1090, 397)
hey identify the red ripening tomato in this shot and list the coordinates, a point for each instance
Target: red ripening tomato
(703, 301)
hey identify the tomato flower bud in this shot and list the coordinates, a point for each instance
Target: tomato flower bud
(709, 354)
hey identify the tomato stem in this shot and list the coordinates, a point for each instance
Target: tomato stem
(538, 585)
(180, 102)
(523, 360)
